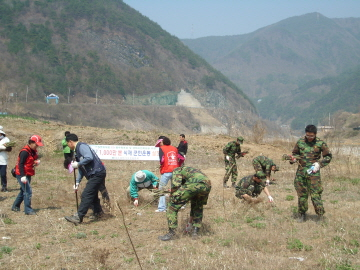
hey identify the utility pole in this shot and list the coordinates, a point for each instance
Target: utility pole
(27, 91)
(69, 96)
(96, 95)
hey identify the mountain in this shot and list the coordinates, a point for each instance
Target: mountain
(275, 60)
(102, 51)
(316, 99)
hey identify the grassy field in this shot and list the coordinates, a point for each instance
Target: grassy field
(235, 235)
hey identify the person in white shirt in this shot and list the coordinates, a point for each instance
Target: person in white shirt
(3, 160)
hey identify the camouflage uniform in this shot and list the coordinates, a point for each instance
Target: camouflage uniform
(230, 150)
(308, 153)
(190, 185)
(248, 186)
(263, 165)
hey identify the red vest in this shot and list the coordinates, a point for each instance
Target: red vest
(170, 159)
(29, 163)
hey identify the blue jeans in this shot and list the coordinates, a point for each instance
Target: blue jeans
(165, 177)
(25, 195)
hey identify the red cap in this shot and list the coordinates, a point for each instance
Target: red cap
(158, 143)
(37, 139)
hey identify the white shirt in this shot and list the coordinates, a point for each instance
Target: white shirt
(3, 154)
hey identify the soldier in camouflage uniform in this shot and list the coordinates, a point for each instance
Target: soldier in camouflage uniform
(251, 186)
(307, 152)
(229, 151)
(188, 184)
(265, 165)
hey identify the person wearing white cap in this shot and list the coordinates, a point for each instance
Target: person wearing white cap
(24, 170)
(3, 159)
(140, 180)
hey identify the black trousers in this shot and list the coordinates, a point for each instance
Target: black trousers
(3, 175)
(89, 196)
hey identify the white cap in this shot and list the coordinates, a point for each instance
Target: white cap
(1, 128)
(140, 176)
(2, 132)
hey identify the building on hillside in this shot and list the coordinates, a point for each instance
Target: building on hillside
(52, 99)
(326, 128)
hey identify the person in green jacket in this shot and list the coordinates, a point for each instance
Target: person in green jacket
(140, 180)
(265, 165)
(230, 150)
(68, 153)
(311, 154)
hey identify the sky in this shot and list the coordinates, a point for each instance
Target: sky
(202, 18)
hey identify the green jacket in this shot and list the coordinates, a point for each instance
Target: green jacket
(248, 186)
(149, 180)
(186, 175)
(66, 148)
(308, 153)
(263, 164)
(231, 149)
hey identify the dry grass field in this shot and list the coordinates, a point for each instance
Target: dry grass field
(235, 235)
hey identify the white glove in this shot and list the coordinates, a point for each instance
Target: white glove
(74, 164)
(316, 167)
(228, 158)
(37, 162)
(2, 147)
(267, 182)
(23, 180)
(76, 187)
(270, 199)
(136, 202)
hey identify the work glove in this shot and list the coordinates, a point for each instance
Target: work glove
(2, 147)
(270, 199)
(267, 182)
(76, 186)
(37, 162)
(23, 180)
(136, 202)
(227, 157)
(74, 164)
(316, 166)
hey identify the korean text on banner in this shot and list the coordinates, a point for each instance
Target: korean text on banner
(126, 152)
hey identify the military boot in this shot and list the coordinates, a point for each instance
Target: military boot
(301, 218)
(170, 235)
(195, 233)
(225, 185)
(233, 185)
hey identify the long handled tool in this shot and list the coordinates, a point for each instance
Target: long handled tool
(76, 196)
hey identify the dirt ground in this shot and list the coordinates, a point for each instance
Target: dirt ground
(235, 235)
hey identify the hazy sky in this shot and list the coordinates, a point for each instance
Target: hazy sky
(201, 18)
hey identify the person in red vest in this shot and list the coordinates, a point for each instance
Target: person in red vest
(168, 155)
(24, 169)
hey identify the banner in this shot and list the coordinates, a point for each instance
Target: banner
(126, 152)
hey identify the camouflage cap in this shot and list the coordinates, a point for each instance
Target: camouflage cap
(260, 175)
(277, 168)
(240, 139)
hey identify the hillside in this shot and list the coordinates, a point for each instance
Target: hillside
(84, 51)
(235, 235)
(315, 100)
(275, 60)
